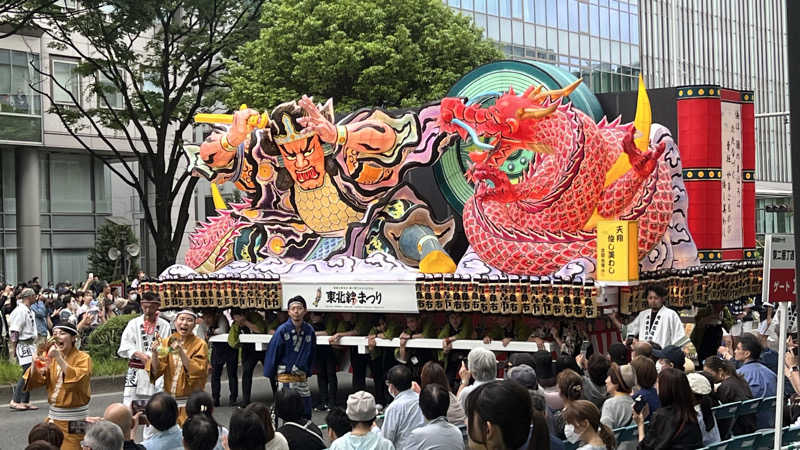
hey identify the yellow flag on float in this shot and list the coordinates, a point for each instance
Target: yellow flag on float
(643, 119)
(219, 202)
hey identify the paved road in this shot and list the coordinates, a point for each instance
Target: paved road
(15, 425)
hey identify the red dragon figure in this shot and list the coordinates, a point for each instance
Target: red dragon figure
(548, 219)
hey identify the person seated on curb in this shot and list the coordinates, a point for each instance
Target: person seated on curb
(247, 431)
(594, 378)
(338, 424)
(274, 440)
(670, 356)
(200, 432)
(121, 415)
(762, 381)
(162, 413)
(432, 372)
(437, 434)
(496, 418)
(701, 388)
(300, 433)
(403, 414)
(103, 436)
(361, 412)
(482, 366)
(46, 432)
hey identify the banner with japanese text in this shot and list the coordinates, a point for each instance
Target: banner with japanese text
(779, 268)
(617, 251)
(332, 295)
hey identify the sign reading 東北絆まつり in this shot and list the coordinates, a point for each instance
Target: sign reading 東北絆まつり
(779, 268)
(329, 295)
(617, 251)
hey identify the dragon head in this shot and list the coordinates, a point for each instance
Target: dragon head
(511, 124)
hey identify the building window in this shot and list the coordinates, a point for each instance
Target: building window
(110, 91)
(67, 81)
(71, 183)
(20, 106)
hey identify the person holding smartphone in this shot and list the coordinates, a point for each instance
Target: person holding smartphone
(65, 371)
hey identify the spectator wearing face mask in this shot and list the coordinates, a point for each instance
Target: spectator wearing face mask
(583, 425)
(669, 356)
(403, 414)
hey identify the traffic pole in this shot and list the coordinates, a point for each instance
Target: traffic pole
(783, 314)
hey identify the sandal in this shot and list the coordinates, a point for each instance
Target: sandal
(17, 406)
(31, 407)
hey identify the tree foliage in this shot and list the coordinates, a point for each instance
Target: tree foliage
(111, 235)
(18, 14)
(388, 53)
(149, 66)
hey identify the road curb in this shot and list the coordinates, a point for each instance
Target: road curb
(99, 384)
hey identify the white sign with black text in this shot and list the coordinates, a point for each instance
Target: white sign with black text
(331, 295)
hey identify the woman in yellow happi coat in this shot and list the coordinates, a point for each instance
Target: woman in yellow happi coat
(183, 362)
(65, 371)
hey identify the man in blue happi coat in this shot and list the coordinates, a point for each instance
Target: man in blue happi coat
(291, 353)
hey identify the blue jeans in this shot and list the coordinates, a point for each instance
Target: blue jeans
(20, 396)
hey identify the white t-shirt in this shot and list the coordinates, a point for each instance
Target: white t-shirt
(23, 321)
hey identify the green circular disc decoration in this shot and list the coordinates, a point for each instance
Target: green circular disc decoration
(479, 85)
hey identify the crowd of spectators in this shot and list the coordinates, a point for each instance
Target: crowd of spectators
(85, 306)
(540, 400)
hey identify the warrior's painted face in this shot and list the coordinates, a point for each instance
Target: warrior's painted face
(305, 161)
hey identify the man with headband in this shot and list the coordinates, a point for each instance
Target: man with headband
(65, 372)
(291, 352)
(182, 360)
(138, 337)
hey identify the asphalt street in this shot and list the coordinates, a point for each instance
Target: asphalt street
(15, 425)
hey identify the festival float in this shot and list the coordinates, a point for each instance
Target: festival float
(549, 206)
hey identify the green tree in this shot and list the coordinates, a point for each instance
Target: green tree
(391, 53)
(109, 236)
(147, 67)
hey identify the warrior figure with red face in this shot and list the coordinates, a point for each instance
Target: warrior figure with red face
(318, 188)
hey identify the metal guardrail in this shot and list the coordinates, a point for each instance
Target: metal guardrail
(361, 343)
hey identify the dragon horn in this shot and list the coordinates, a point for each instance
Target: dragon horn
(536, 113)
(531, 92)
(558, 93)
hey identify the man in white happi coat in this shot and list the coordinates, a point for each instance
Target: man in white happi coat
(135, 345)
(22, 333)
(657, 324)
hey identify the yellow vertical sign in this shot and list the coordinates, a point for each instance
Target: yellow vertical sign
(617, 250)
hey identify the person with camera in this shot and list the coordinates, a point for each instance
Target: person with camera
(137, 338)
(65, 371)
